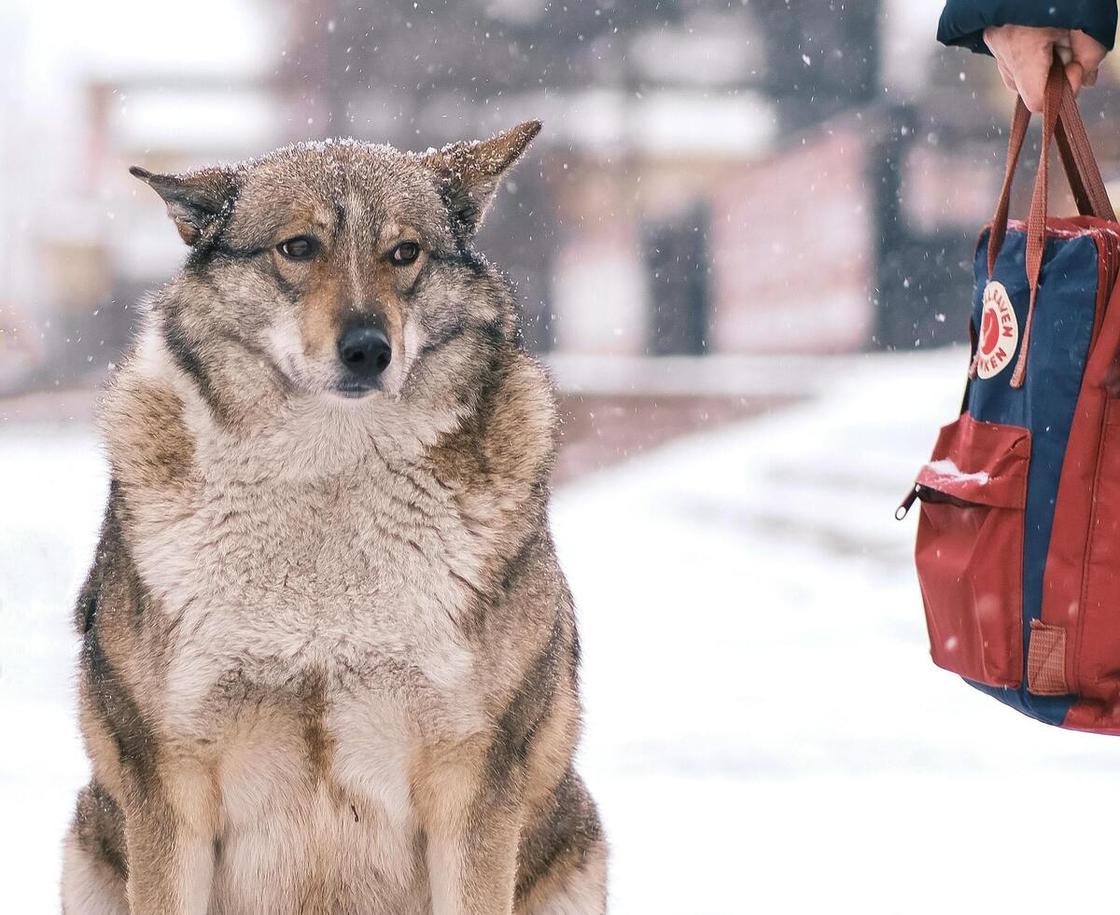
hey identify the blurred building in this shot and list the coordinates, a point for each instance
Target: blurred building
(91, 91)
(737, 178)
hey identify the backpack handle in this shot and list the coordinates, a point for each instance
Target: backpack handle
(1061, 119)
(1080, 164)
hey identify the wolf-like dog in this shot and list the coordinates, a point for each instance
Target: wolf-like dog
(329, 659)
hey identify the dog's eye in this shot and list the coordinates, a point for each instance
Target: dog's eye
(300, 248)
(404, 253)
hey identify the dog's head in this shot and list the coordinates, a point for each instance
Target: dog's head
(338, 263)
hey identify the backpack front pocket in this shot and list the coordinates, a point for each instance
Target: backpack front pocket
(970, 549)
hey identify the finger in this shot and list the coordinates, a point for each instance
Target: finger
(1091, 78)
(1087, 51)
(1026, 55)
(1075, 75)
(1064, 52)
(1030, 78)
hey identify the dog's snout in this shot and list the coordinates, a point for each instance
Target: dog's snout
(365, 351)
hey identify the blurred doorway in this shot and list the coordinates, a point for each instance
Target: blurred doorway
(678, 265)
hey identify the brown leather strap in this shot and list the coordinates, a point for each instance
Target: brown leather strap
(1019, 124)
(1079, 161)
(1036, 220)
(1065, 150)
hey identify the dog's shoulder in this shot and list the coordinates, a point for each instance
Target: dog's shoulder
(507, 445)
(523, 427)
(143, 419)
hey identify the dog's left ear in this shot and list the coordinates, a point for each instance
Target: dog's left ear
(194, 200)
(469, 173)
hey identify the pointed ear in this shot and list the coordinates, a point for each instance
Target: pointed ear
(469, 173)
(195, 201)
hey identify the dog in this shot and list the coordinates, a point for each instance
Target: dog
(329, 659)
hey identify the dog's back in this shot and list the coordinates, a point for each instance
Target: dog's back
(329, 657)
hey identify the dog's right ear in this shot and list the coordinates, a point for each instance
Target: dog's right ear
(469, 173)
(195, 201)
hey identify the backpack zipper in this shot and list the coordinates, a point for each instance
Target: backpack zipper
(907, 503)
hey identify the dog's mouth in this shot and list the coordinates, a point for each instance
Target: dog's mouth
(346, 388)
(353, 390)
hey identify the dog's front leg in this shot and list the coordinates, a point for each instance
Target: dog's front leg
(471, 819)
(169, 830)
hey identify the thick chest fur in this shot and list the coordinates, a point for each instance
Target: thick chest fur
(355, 581)
(313, 652)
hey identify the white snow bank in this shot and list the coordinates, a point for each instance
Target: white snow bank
(766, 732)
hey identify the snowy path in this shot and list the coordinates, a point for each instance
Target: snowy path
(765, 732)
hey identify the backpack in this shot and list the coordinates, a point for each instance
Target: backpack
(1018, 543)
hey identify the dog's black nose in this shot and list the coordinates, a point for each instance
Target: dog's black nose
(365, 351)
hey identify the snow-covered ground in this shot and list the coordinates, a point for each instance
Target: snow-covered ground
(765, 731)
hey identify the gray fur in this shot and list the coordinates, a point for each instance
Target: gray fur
(330, 661)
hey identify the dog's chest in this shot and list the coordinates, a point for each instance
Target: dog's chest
(314, 651)
(344, 588)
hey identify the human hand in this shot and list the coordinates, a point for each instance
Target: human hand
(1024, 55)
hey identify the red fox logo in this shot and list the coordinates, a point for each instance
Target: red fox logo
(999, 332)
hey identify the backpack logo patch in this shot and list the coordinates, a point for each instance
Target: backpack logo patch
(999, 332)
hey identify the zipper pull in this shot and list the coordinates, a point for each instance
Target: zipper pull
(904, 507)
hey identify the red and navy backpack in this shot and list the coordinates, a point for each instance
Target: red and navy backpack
(1018, 545)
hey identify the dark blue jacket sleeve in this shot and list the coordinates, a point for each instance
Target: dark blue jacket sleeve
(963, 21)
